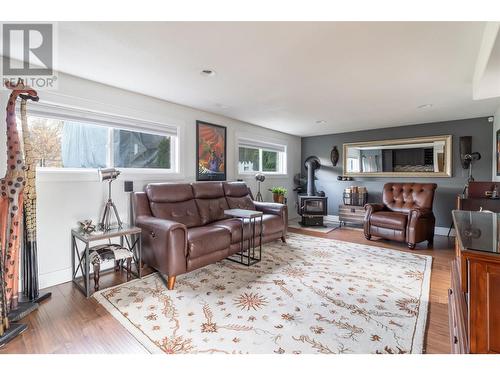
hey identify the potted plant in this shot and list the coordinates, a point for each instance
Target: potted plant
(279, 193)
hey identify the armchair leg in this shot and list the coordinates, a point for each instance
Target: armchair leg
(368, 237)
(170, 282)
(430, 243)
(283, 239)
(411, 246)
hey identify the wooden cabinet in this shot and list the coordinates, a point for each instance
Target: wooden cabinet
(484, 306)
(351, 214)
(474, 295)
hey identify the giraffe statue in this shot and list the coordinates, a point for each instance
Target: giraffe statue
(29, 251)
(4, 319)
(11, 196)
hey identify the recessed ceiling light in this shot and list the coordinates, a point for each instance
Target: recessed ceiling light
(424, 106)
(208, 72)
(320, 122)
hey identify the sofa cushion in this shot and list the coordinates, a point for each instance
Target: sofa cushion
(169, 193)
(183, 212)
(272, 224)
(208, 189)
(211, 209)
(174, 202)
(389, 219)
(244, 203)
(238, 196)
(234, 227)
(235, 189)
(210, 201)
(207, 239)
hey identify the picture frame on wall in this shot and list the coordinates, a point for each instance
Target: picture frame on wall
(498, 152)
(211, 147)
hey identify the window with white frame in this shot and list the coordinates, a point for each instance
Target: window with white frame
(255, 156)
(67, 138)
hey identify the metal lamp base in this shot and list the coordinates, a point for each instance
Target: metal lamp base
(109, 210)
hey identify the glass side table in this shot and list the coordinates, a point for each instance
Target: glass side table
(248, 219)
(80, 260)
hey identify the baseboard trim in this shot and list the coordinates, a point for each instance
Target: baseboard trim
(63, 276)
(443, 231)
(54, 278)
(440, 231)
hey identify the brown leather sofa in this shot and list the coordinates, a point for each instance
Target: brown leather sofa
(406, 214)
(184, 226)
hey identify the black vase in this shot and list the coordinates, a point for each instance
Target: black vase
(334, 156)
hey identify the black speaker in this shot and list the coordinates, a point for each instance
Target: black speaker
(128, 186)
(465, 147)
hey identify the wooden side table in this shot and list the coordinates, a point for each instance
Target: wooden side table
(247, 256)
(80, 259)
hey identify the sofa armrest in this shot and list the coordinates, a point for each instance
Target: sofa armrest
(369, 209)
(373, 207)
(155, 225)
(164, 244)
(278, 209)
(270, 208)
(417, 213)
(420, 227)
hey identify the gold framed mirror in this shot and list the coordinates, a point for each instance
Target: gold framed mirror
(408, 157)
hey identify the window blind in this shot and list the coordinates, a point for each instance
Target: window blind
(245, 142)
(59, 112)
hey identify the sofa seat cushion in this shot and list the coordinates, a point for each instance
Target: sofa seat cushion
(389, 219)
(206, 240)
(234, 227)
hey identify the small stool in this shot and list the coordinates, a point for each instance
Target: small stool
(102, 253)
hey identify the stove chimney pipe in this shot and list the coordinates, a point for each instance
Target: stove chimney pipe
(311, 164)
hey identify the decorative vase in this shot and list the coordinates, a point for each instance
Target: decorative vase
(334, 156)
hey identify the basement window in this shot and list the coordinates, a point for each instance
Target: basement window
(75, 140)
(255, 156)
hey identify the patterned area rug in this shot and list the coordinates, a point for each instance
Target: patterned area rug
(312, 295)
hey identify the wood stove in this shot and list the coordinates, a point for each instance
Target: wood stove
(312, 209)
(311, 206)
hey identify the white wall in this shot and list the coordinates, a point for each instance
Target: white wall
(61, 203)
(496, 127)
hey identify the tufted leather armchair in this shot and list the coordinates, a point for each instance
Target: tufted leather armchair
(405, 215)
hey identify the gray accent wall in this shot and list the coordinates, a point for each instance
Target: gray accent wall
(448, 187)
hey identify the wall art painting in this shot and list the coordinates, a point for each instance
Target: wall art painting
(210, 152)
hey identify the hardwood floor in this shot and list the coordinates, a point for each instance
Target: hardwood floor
(70, 323)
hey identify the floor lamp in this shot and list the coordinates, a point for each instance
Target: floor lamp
(468, 161)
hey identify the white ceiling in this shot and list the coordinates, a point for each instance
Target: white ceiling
(286, 76)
